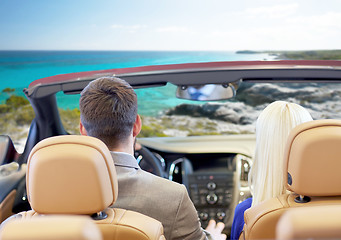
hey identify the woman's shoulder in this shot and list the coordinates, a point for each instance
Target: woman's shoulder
(241, 207)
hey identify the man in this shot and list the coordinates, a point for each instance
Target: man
(108, 109)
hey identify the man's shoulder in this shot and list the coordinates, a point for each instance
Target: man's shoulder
(162, 182)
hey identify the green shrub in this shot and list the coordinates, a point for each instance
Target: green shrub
(70, 120)
(15, 101)
(4, 108)
(148, 131)
(8, 90)
(24, 115)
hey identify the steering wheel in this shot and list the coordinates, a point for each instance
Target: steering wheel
(149, 162)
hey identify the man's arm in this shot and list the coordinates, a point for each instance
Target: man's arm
(186, 223)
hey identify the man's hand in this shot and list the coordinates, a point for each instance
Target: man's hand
(137, 146)
(216, 229)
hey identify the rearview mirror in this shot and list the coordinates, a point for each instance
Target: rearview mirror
(207, 92)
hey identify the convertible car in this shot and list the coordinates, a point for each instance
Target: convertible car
(198, 122)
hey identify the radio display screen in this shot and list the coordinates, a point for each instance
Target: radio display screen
(212, 162)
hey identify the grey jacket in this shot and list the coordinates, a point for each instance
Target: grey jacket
(156, 197)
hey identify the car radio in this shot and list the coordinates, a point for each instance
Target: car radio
(212, 194)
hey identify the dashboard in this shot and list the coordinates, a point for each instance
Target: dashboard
(214, 170)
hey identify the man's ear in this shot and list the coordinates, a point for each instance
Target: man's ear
(137, 126)
(82, 129)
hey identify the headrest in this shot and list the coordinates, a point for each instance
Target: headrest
(71, 175)
(312, 158)
(51, 227)
(315, 222)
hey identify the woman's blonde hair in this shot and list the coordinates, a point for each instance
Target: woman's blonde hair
(272, 129)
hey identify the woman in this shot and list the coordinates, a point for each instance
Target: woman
(265, 179)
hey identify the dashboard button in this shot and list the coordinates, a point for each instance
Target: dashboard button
(211, 185)
(220, 200)
(202, 200)
(219, 190)
(203, 191)
(211, 198)
(203, 216)
(221, 215)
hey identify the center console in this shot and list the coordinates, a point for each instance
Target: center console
(212, 195)
(211, 183)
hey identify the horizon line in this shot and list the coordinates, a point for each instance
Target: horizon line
(151, 50)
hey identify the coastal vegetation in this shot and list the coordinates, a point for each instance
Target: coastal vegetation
(16, 115)
(70, 119)
(16, 109)
(311, 55)
(300, 55)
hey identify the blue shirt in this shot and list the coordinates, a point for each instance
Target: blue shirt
(238, 220)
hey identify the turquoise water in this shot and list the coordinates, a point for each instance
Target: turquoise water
(19, 68)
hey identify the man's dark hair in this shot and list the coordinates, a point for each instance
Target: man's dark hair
(108, 108)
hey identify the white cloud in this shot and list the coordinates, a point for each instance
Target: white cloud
(128, 27)
(173, 29)
(276, 11)
(280, 37)
(329, 19)
(292, 32)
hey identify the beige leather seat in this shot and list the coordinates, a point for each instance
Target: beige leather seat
(51, 227)
(312, 170)
(317, 222)
(76, 175)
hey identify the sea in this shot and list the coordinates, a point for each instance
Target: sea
(19, 68)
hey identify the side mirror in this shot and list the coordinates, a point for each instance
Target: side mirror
(207, 92)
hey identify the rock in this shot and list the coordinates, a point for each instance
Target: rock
(228, 112)
(265, 93)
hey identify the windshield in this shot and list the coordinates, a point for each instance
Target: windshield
(164, 115)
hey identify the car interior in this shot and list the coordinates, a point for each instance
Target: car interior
(213, 167)
(215, 176)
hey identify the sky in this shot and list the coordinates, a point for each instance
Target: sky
(223, 25)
